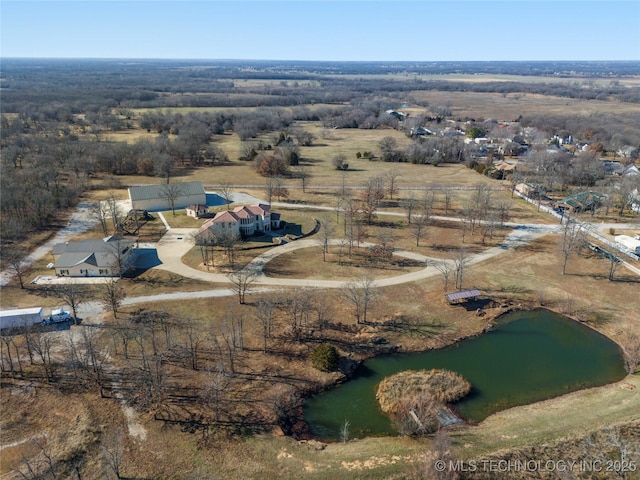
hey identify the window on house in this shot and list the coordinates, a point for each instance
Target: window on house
(103, 271)
(64, 272)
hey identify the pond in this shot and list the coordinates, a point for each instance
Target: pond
(527, 357)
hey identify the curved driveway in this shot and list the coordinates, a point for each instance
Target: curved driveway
(178, 241)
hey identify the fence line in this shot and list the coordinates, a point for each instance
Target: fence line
(585, 227)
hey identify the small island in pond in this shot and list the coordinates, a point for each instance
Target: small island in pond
(414, 398)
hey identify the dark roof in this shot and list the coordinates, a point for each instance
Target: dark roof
(105, 245)
(68, 260)
(149, 192)
(463, 294)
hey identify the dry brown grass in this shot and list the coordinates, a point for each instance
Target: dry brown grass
(509, 107)
(442, 385)
(309, 263)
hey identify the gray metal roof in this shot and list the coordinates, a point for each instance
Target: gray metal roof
(150, 192)
(463, 294)
(105, 245)
(20, 311)
(100, 260)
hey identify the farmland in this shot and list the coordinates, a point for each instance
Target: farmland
(210, 383)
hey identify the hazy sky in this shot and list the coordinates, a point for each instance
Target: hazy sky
(330, 30)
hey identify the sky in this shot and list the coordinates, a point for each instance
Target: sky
(383, 30)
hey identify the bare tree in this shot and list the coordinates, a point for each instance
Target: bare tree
(217, 383)
(112, 447)
(570, 239)
(446, 269)
(16, 264)
(270, 186)
(119, 250)
(372, 193)
(100, 211)
(409, 205)
(612, 447)
(630, 342)
(265, 310)
(39, 466)
(207, 246)
(391, 177)
(423, 218)
(323, 307)
(171, 192)
(360, 294)
(281, 192)
(449, 197)
(304, 175)
(340, 162)
(114, 212)
(297, 305)
(327, 230)
(73, 295)
(41, 345)
(242, 281)
(419, 226)
(224, 190)
(460, 262)
(614, 262)
(194, 338)
(5, 351)
(113, 295)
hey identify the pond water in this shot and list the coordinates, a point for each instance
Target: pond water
(525, 358)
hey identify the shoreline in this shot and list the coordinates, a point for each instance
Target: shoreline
(301, 430)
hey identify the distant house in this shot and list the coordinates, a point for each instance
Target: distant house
(243, 221)
(612, 168)
(196, 210)
(581, 202)
(420, 132)
(92, 258)
(505, 166)
(630, 171)
(526, 189)
(628, 151)
(399, 115)
(164, 196)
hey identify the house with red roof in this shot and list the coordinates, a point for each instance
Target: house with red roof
(243, 221)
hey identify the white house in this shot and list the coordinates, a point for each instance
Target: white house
(92, 258)
(162, 196)
(628, 151)
(245, 220)
(196, 210)
(630, 171)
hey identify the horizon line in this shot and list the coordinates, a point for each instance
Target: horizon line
(311, 61)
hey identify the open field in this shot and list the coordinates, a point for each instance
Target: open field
(510, 106)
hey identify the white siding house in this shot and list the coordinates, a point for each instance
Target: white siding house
(155, 198)
(92, 258)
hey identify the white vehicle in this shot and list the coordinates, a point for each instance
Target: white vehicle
(57, 316)
(22, 317)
